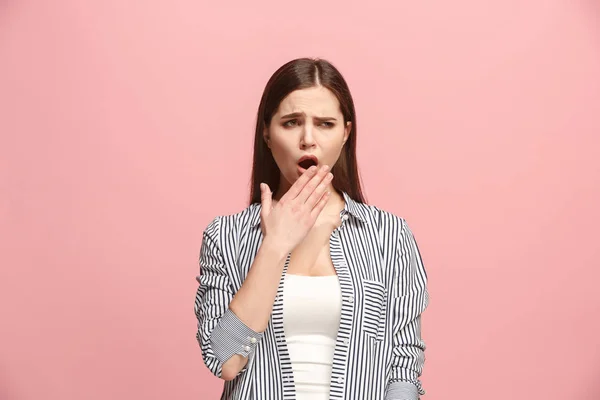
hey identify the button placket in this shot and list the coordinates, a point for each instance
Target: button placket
(277, 325)
(346, 326)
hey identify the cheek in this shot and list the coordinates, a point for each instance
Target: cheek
(281, 153)
(281, 148)
(333, 147)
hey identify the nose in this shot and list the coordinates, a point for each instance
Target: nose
(307, 139)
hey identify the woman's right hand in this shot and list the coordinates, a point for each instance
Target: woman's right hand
(291, 218)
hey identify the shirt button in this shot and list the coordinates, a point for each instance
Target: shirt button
(346, 341)
(345, 217)
(350, 299)
(253, 340)
(247, 348)
(340, 380)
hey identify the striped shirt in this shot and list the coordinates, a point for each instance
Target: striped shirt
(379, 352)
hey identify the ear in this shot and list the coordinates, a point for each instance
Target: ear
(266, 137)
(347, 130)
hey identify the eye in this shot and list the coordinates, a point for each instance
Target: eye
(327, 124)
(290, 123)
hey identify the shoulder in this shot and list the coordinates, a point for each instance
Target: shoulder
(392, 229)
(381, 218)
(234, 221)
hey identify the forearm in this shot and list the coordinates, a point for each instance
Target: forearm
(253, 302)
(249, 311)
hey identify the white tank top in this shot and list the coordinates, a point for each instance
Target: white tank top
(311, 318)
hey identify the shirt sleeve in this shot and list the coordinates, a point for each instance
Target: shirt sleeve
(221, 334)
(408, 355)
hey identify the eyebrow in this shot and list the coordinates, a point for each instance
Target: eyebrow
(301, 114)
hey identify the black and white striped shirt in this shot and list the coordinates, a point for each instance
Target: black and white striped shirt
(379, 352)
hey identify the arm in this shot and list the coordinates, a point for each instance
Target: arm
(230, 325)
(408, 355)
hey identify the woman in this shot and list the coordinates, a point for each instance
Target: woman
(309, 293)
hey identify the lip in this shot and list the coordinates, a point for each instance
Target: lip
(309, 157)
(306, 157)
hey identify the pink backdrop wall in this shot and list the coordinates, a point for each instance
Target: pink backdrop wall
(127, 126)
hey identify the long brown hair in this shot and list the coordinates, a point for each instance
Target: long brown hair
(297, 74)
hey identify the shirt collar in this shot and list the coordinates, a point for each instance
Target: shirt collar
(351, 207)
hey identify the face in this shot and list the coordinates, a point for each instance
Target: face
(307, 122)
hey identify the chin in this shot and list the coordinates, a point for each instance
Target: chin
(290, 177)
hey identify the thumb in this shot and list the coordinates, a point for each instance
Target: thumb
(265, 199)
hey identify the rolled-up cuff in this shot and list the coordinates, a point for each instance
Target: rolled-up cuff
(231, 336)
(402, 391)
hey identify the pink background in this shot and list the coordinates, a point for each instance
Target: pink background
(127, 126)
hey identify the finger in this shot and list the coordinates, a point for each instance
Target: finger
(321, 188)
(265, 199)
(310, 187)
(297, 187)
(320, 206)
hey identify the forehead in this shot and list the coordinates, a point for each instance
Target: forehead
(312, 101)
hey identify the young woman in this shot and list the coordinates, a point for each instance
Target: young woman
(309, 293)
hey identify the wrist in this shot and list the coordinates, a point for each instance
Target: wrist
(272, 248)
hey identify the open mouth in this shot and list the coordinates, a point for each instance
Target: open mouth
(307, 161)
